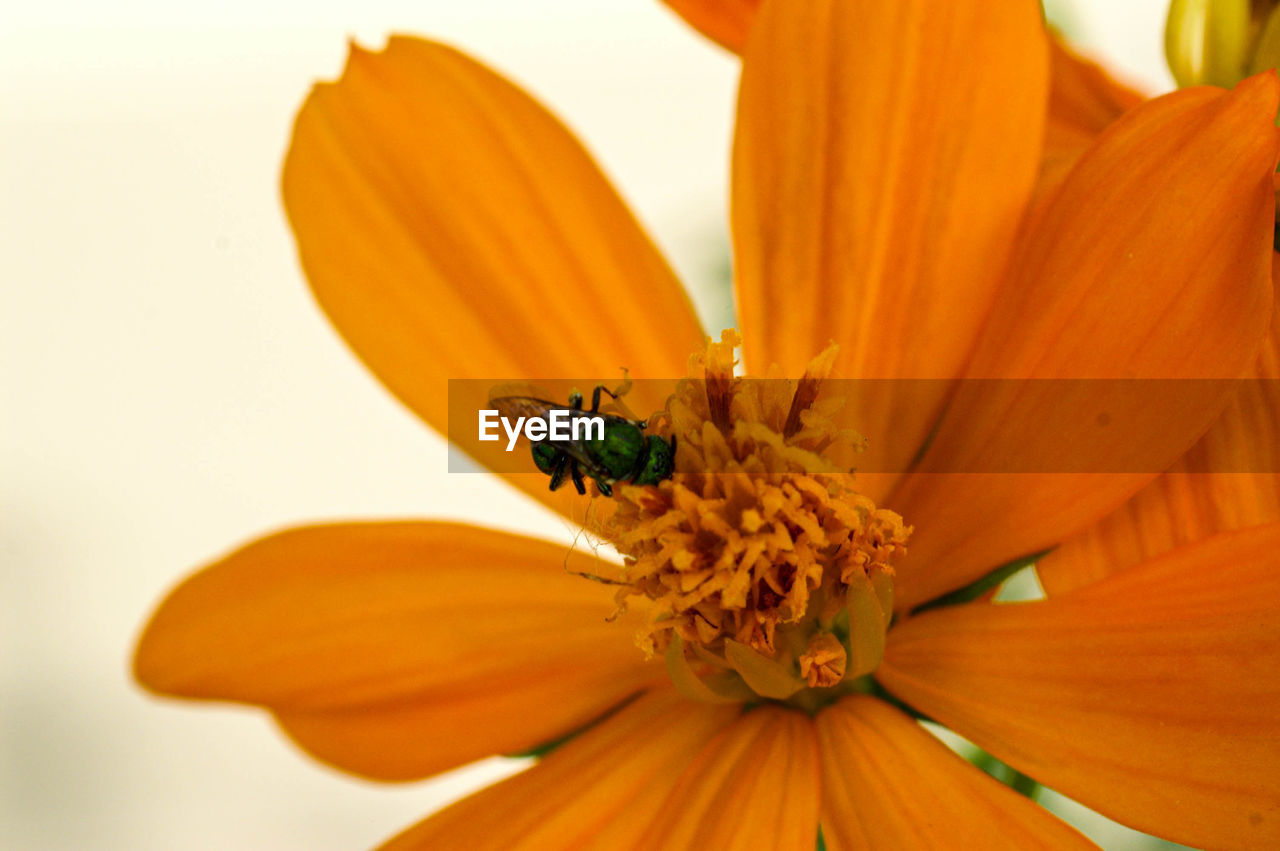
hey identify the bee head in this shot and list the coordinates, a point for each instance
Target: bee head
(660, 462)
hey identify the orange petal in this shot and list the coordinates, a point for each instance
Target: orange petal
(755, 783)
(726, 22)
(600, 790)
(887, 783)
(397, 650)
(1084, 98)
(1083, 101)
(876, 196)
(1195, 499)
(452, 228)
(1151, 262)
(1151, 696)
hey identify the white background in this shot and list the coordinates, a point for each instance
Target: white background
(167, 387)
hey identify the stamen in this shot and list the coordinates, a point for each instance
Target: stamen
(719, 379)
(807, 392)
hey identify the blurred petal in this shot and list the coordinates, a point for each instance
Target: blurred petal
(887, 783)
(755, 785)
(1196, 499)
(879, 174)
(1084, 99)
(599, 791)
(1152, 262)
(397, 650)
(1150, 696)
(726, 22)
(452, 228)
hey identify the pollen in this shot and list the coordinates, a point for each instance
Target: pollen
(765, 570)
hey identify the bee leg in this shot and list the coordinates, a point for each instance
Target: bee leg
(576, 474)
(616, 395)
(606, 489)
(575, 401)
(557, 472)
(625, 387)
(595, 396)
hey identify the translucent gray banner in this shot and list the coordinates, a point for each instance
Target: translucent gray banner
(934, 426)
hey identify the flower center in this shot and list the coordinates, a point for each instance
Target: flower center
(767, 573)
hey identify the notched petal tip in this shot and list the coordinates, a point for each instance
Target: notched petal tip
(361, 59)
(358, 56)
(355, 51)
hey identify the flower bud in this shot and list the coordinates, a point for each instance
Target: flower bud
(1220, 42)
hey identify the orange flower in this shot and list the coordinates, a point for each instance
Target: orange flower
(889, 195)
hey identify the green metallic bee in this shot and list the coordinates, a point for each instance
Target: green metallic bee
(623, 453)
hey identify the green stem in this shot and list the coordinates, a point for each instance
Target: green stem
(1024, 785)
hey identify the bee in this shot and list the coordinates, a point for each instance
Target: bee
(622, 453)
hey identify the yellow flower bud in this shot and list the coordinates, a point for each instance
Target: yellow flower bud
(1220, 42)
(1266, 50)
(1208, 41)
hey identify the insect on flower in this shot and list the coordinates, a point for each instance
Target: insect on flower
(621, 451)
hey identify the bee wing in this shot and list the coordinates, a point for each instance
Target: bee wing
(515, 407)
(518, 389)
